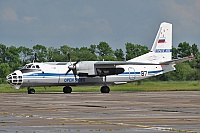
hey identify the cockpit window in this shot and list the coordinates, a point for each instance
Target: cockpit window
(31, 66)
(37, 66)
(28, 66)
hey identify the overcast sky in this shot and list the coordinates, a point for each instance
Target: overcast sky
(78, 23)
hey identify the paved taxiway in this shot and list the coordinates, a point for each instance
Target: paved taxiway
(120, 112)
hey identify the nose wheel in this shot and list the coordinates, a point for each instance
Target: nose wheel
(31, 90)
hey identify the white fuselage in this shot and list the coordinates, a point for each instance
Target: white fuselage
(49, 74)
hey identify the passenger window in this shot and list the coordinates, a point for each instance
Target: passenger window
(37, 66)
(33, 66)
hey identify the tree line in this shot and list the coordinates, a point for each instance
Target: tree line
(12, 58)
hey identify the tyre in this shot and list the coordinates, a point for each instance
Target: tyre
(31, 91)
(105, 89)
(67, 89)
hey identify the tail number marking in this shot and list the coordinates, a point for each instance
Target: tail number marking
(143, 73)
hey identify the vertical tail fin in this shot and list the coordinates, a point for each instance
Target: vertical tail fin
(162, 45)
(161, 50)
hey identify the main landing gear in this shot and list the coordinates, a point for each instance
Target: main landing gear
(67, 89)
(104, 89)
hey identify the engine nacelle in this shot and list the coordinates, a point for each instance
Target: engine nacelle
(88, 68)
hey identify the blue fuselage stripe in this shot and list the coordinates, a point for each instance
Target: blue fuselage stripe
(71, 74)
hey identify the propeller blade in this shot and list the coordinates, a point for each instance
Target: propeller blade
(68, 71)
(75, 73)
(76, 63)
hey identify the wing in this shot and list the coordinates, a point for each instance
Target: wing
(110, 63)
(113, 67)
(103, 68)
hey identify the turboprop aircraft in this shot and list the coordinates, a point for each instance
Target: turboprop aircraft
(156, 62)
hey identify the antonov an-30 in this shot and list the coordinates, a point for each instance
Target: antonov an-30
(156, 62)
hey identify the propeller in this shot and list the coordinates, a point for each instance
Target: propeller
(72, 67)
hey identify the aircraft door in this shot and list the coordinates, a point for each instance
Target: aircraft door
(131, 73)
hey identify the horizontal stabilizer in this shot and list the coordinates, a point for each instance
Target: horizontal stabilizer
(176, 61)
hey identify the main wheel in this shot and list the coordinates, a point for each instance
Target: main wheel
(105, 89)
(67, 89)
(31, 91)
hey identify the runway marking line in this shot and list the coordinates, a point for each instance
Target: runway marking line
(103, 122)
(124, 124)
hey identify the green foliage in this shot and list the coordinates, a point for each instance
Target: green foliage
(84, 54)
(119, 54)
(184, 49)
(41, 52)
(195, 50)
(105, 52)
(93, 48)
(4, 71)
(26, 55)
(184, 72)
(3, 53)
(174, 53)
(12, 57)
(53, 54)
(135, 50)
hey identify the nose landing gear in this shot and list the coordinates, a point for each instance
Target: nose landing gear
(31, 90)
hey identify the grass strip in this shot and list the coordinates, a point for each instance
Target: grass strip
(135, 86)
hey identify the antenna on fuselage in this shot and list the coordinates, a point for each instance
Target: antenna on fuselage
(35, 57)
(69, 58)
